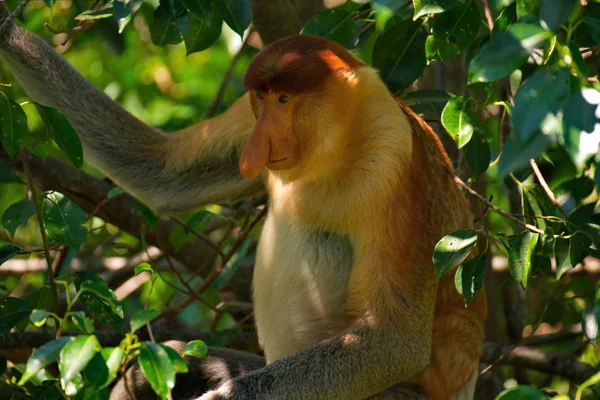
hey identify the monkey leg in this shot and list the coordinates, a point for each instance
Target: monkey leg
(204, 374)
(402, 391)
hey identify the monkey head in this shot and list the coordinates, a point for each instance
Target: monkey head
(296, 85)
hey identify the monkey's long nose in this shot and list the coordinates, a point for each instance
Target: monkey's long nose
(255, 155)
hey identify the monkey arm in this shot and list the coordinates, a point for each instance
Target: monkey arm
(356, 365)
(170, 173)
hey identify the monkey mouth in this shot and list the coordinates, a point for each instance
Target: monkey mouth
(278, 160)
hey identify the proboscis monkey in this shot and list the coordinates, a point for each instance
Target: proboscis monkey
(346, 300)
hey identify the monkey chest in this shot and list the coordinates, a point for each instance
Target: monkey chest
(300, 286)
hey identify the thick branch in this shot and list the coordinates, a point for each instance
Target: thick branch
(543, 361)
(121, 211)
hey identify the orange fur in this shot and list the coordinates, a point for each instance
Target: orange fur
(372, 169)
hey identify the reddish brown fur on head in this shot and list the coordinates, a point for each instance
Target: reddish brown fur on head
(298, 64)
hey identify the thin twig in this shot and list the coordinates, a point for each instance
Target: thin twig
(198, 235)
(500, 211)
(190, 291)
(488, 14)
(544, 184)
(38, 213)
(14, 14)
(219, 268)
(212, 107)
(82, 25)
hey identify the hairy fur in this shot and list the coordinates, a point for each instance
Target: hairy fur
(346, 300)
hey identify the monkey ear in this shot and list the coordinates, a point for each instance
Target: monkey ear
(255, 155)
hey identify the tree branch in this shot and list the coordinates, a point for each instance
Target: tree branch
(88, 192)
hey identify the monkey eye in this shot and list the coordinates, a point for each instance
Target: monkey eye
(283, 99)
(260, 95)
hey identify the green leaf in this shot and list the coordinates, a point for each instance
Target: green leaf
(172, 7)
(470, 277)
(478, 154)
(82, 322)
(520, 256)
(179, 365)
(157, 367)
(12, 310)
(590, 322)
(166, 28)
(48, 389)
(63, 220)
(236, 13)
(7, 252)
(41, 299)
(579, 116)
(75, 356)
(149, 216)
(563, 260)
(204, 30)
(45, 355)
(123, 11)
(453, 249)
(99, 300)
(505, 19)
(201, 8)
(453, 31)
(554, 13)
(105, 11)
(399, 54)
(195, 348)
(516, 154)
(522, 393)
(61, 131)
(459, 119)
(538, 103)
(506, 52)
(13, 125)
(143, 267)
(39, 317)
(336, 25)
(17, 214)
(528, 8)
(114, 192)
(141, 318)
(596, 180)
(424, 7)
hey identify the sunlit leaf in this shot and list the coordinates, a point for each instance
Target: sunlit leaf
(75, 356)
(424, 7)
(520, 256)
(44, 355)
(142, 317)
(554, 13)
(124, 10)
(82, 322)
(470, 277)
(157, 368)
(195, 348)
(179, 364)
(459, 119)
(63, 220)
(99, 300)
(522, 393)
(506, 52)
(453, 249)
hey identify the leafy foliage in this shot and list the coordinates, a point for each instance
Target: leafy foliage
(531, 93)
